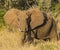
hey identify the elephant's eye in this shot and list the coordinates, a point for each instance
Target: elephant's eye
(18, 19)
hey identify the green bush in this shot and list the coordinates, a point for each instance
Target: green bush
(2, 12)
(57, 7)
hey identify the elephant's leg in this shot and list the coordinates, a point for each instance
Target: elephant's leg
(36, 36)
(53, 34)
(58, 34)
(29, 38)
(24, 38)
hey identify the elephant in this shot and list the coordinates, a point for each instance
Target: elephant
(11, 18)
(57, 20)
(40, 21)
(33, 23)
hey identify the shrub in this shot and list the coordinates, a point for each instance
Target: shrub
(2, 12)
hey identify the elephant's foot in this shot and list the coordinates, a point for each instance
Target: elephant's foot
(30, 40)
(23, 41)
(54, 39)
(47, 39)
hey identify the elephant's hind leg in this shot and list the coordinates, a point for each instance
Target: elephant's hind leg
(53, 34)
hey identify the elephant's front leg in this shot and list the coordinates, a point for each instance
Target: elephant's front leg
(29, 38)
(24, 38)
(28, 20)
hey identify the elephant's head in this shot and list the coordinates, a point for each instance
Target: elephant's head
(33, 14)
(17, 18)
(22, 17)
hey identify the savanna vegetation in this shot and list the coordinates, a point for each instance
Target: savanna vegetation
(10, 40)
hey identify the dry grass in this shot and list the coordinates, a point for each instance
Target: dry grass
(11, 41)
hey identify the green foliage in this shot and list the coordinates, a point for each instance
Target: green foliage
(57, 10)
(25, 4)
(57, 7)
(2, 12)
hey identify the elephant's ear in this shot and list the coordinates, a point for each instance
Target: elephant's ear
(37, 18)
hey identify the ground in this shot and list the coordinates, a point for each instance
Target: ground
(11, 41)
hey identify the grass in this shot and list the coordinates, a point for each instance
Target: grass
(11, 41)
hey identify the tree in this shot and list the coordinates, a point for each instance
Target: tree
(53, 3)
(25, 4)
(2, 3)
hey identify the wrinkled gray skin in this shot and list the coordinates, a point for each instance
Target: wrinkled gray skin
(37, 18)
